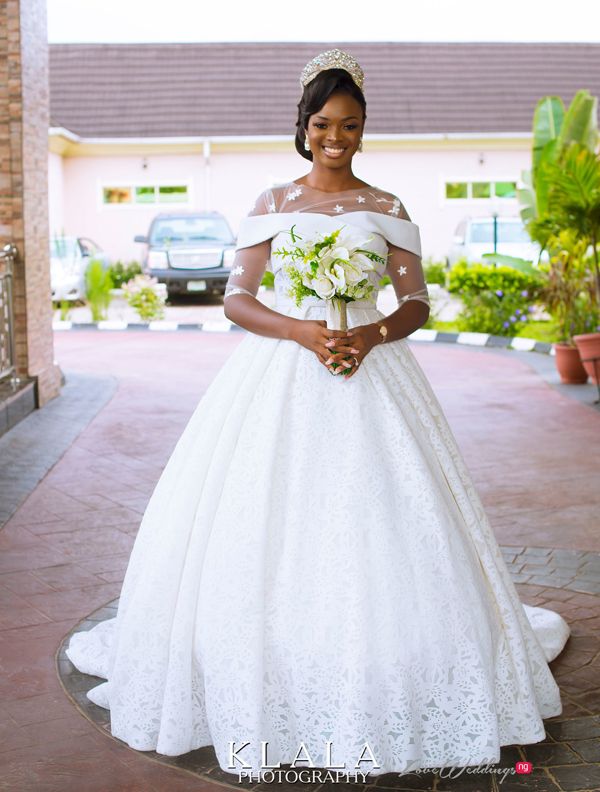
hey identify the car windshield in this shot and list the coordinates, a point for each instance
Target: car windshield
(63, 247)
(507, 232)
(187, 230)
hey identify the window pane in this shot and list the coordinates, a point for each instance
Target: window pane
(483, 232)
(176, 194)
(456, 189)
(183, 230)
(145, 194)
(113, 195)
(514, 232)
(506, 189)
(481, 189)
(506, 230)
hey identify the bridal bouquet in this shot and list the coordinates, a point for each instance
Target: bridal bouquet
(334, 267)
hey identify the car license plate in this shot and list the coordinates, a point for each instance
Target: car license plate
(196, 285)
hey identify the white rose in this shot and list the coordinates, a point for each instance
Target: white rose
(354, 273)
(324, 287)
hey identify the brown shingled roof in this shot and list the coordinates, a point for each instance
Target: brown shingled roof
(141, 90)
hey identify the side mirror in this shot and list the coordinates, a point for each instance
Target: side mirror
(141, 238)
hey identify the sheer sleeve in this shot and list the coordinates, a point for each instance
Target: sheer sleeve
(405, 270)
(249, 263)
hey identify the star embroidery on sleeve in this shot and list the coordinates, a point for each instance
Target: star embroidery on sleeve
(402, 270)
(337, 208)
(395, 207)
(271, 206)
(361, 199)
(293, 195)
(237, 270)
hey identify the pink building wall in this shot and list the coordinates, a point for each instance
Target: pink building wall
(233, 179)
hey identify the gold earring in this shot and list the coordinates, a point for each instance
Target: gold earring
(360, 145)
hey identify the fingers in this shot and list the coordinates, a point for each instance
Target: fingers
(335, 334)
(343, 351)
(342, 366)
(337, 357)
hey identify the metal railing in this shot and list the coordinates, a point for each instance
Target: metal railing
(8, 360)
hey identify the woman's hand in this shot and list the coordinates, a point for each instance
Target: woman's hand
(357, 343)
(313, 334)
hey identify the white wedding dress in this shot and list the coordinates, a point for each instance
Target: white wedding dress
(314, 564)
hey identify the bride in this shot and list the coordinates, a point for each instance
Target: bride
(314, 572)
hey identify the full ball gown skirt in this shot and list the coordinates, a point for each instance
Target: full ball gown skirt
(315, 565)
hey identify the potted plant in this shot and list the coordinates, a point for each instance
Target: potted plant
(568, 296)
(574, 203)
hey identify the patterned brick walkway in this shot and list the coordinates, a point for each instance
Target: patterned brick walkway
(64, 550)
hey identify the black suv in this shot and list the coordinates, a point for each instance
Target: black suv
(189, 251)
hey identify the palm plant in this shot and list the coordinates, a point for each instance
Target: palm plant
(574, 197)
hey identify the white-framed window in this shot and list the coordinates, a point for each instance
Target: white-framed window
(136, 194)
(479, 190)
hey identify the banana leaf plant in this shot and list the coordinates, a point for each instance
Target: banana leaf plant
(554, 129)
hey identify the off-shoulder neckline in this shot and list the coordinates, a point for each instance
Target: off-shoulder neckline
(337, 192)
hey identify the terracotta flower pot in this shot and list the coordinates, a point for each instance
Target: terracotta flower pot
(569, 365)
(588, 345)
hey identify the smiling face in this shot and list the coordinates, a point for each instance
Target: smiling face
(334, 132)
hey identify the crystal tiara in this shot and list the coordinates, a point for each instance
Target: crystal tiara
(332, 59)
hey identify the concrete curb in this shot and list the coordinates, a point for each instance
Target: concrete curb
(224, 326)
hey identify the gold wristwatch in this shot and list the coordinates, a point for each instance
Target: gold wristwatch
(383, 331)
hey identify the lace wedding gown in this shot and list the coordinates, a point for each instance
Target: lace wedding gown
(314, 563)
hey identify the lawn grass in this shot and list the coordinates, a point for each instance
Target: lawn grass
(540, 331)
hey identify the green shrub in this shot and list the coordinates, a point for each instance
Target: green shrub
(121, 273)
(476, 278)
(497, 300)
(435, 271)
